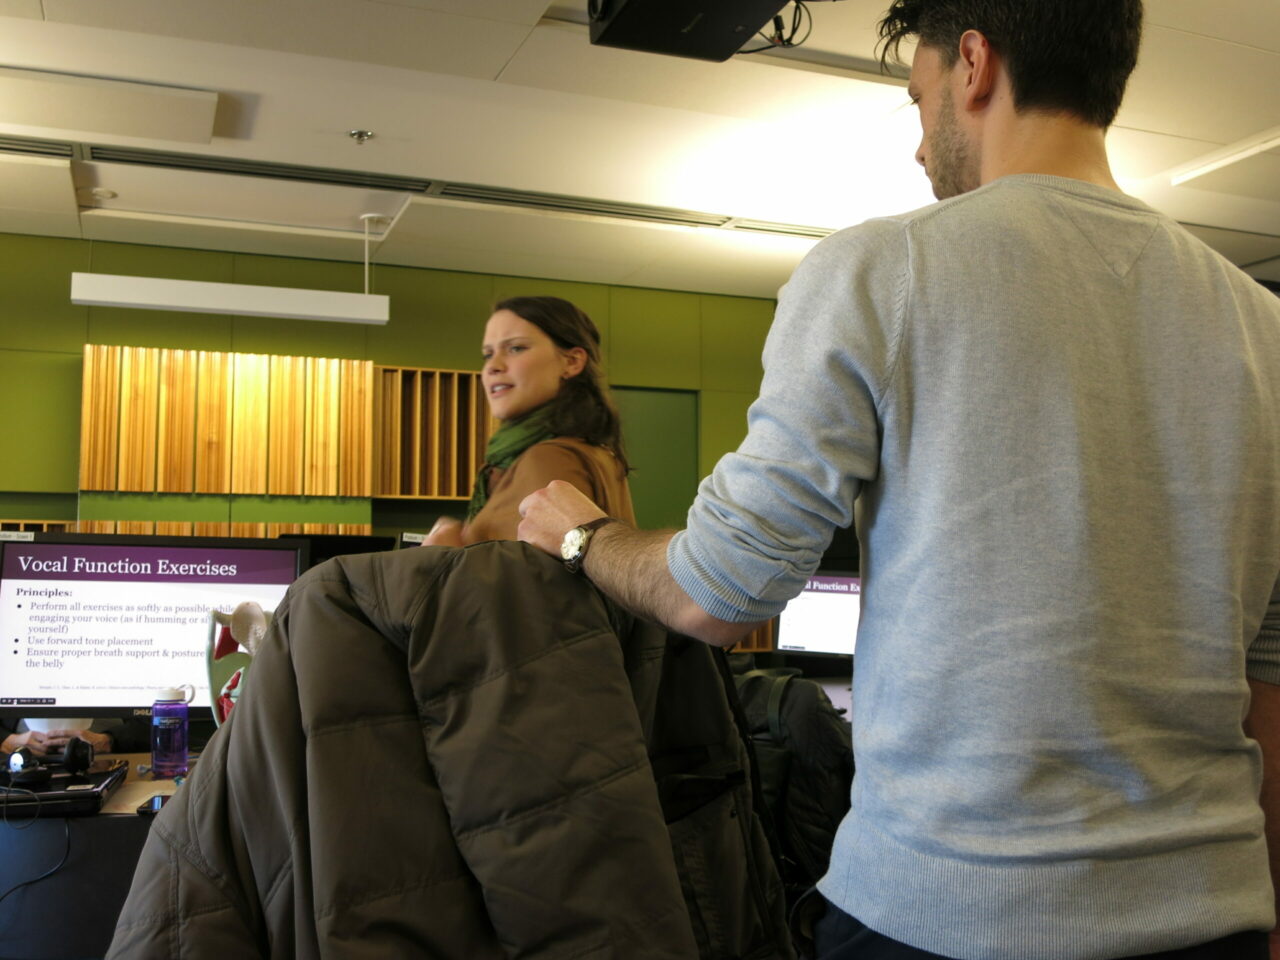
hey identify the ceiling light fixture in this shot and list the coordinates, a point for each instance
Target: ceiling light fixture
(1231, 153)
(241, 299)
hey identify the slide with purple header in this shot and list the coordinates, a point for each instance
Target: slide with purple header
(94, 624)
(824, 617)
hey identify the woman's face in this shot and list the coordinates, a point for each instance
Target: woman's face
(523, 368)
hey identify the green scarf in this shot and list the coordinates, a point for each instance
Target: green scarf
(509, 441)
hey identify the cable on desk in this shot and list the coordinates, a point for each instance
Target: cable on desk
(66, 852)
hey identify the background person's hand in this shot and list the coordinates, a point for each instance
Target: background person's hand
(34, 740)
(58, 740)
(548, 514)
(447, 532)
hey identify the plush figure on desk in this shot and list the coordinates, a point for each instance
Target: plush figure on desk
(227, 662)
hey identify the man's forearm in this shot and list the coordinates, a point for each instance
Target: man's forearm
(631, 567)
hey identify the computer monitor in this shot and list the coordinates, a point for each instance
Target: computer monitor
(824, 617)
(93, 625)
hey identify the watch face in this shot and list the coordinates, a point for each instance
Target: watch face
(572, 543)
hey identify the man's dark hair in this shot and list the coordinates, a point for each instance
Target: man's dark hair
(1070, 56)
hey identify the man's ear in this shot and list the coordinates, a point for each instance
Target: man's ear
(980, 65)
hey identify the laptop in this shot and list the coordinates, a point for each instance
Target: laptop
(66, 794)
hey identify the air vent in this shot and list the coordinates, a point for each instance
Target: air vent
(593, 208)
(254, 168)
(475, 193)
(38, 148)
(786, 229)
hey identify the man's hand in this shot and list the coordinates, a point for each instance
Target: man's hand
(548, 514)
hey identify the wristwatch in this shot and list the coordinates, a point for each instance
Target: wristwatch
(573, 548)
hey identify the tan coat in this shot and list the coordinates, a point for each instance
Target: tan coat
(593, 470)
(462, 753)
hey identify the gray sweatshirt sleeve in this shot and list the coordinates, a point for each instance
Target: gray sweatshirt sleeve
(762, 519)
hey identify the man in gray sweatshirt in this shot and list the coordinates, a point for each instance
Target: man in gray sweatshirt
(1059, 416)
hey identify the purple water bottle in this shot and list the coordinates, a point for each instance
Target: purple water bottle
(169, 732)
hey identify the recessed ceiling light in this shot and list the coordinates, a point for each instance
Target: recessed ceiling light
(102, 193)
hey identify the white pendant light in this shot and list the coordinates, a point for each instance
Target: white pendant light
(194, 296)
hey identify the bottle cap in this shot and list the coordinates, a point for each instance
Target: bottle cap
(171, 693)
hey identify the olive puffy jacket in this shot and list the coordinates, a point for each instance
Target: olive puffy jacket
(463, 753)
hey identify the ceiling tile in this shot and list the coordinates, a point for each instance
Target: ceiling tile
(1190, 86)
(21, 8)
(512, 11)
(37, 196)
(378, 33)
(1136, 154)
(1257, 176)
(262, 200)
(1237, 246)
(1268, 270)
(1247, 22)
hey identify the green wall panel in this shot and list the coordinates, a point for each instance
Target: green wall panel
(311, 338)
(159, 328)
(164, 507)
(300, 510)
(38, 506)
(40, 425)
(660, 432)
(37, 312)
(733, 334)
(655, 339)
(721, 426)
(591, 298)
(437, 318)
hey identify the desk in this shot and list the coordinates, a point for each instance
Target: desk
(71, 915)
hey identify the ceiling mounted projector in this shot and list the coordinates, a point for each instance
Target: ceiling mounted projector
(702, 29)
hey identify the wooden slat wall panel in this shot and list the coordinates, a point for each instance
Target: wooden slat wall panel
(387, 449)
(175, 435)
(430, 433)
(99, 417)
(143, 528)
(241, 529)
(420, 434)
(173, 528)
(213, 438)
(251, 379)
(139, 389)
(431, 428)
(322, 413)
(217, 528)
(355, 442)
(287, 426)
(96, 526)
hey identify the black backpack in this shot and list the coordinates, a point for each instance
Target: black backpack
(804, 756)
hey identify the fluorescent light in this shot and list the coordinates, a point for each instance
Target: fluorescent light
(193, 296)
(1231, 153)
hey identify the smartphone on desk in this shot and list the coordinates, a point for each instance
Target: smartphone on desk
(151, 806)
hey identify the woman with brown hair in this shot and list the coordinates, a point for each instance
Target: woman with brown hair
(542, 378)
